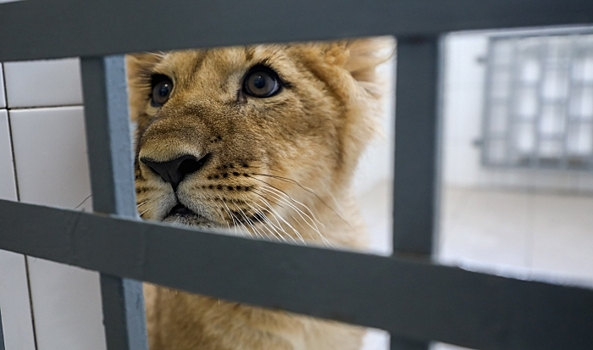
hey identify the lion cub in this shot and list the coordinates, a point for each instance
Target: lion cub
(261, 140)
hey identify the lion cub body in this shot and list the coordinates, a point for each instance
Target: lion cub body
(278, 167)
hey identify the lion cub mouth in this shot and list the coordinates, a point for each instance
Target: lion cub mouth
(182, 215)
(180, 210)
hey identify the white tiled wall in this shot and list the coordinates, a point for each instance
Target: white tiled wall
(7, 182)
(14, 287)
(48, 144)
(43, 83)
(43, 123)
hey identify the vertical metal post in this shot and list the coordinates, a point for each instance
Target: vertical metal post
(416, 142)
(110, 161)
(416, 134)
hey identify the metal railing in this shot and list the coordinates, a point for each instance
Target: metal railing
(414, 299)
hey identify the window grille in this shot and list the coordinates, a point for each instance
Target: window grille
(539, 102)
(407, 294)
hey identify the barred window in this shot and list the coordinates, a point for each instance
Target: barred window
(538, 106)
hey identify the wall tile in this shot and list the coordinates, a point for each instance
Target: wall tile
(14, 288)
(2, 91)
(51, 162)
(43, 83)
(51, 156)
(66, 306)
(17, 324)
(7, 181)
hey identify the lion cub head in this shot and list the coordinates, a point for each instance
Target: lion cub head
(254, 137)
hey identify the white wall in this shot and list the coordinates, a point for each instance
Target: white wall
(463, 99)
(43, 126)
(14, 285)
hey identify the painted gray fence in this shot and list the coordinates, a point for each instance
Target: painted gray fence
(406, 294)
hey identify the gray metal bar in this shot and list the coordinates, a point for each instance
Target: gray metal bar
(63, 28)
(410, 298)
(415, 174)
(110, 160)
(108, 135)
(414, 187)
(399, 343)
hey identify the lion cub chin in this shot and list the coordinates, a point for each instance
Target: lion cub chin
(262, 141)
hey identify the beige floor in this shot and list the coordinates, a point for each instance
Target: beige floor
(510, 232)
(531, 232)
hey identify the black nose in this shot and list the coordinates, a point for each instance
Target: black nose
(174, 171)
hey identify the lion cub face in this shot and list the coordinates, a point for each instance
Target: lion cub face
(250, 136)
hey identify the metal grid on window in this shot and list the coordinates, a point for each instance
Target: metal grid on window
(539, 102)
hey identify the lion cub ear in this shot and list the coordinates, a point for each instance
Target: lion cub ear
(361, 57)
(364, 55)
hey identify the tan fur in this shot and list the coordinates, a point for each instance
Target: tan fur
(291, 156)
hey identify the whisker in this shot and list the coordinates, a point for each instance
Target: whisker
(286, 222)
(311, 192)
(142, 203)
(315, 228)
(279, 225)
(291, 181)
(293, 206)
(222, 217)
(281, 231)
(249, 222)
(292, 199)
(81, 203)
(267, 220)
(235, 223)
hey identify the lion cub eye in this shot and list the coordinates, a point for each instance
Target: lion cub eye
(161, 90)
(261, 81)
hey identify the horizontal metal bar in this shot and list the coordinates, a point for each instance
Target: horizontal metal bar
(413, 299)
(407, 344)
(62, 28)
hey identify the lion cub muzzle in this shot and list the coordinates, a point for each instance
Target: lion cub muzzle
(175, 170)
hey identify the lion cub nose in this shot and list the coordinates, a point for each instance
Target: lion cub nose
(174, 171)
